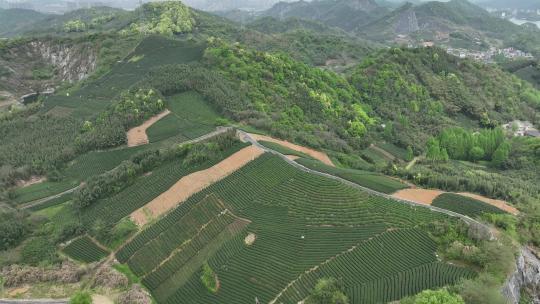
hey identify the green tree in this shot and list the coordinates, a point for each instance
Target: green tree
(11, 232)
(410, 154)
(441, 296)
(444, 155)
(81, 297)
(327, 291)
(476, 153)
(433, 150)
(501, 155)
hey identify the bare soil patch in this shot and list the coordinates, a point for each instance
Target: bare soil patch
(421, 196)
(292, 157)
(137, 136)
(313, 153)
(101, 299)
(250, 239)
(497, 203)
(193, 183)
(14, 292)
(32, 181)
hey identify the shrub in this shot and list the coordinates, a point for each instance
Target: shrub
(39, 250)
(81, 297)
(209, 278)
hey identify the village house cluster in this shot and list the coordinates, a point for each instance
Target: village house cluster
(489, 55)
(521, 128)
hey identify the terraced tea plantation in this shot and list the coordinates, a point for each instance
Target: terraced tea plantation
(191, 116)
(152, 52)
(366, 179)
(465, 205)
(302, 227)
(85, 250)
(147, 187)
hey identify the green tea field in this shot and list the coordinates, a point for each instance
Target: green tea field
(191, 116)
(302, 227)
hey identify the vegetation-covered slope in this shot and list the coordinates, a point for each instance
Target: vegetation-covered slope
(290, 98)
(345, 14)
(456, 23)
(418, 92)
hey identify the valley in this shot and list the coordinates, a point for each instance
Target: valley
(315, 152)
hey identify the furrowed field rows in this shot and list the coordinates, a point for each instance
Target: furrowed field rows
(366, 179)
(283, 150)
(191, 116)
(82, 168)
(85, 250)
(152, 52)
(387, 254)
(175, 271)
(144, 189)
(407, 283)
(238, 188)
(465, 205)
(148, 258)
(306, 227)
(98, 162)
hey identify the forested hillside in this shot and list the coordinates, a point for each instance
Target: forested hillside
(291, 99)
(346, 14)
(418, 92)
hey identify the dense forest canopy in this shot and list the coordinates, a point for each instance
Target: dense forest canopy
(431, 90)
(290, 98)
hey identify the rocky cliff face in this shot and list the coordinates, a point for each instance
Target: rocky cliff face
(526, 276)
(39, 65)
(72, 62)
(407, 22)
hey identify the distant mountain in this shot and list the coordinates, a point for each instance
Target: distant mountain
(227, 5)
(513, 4)
(13, 20)
(456, 20)
(345, 14)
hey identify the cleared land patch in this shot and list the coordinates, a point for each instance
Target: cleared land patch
(137, 136)
(193, 183)
(321, 156)
(422, 196)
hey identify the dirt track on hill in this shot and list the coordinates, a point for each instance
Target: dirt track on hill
(193, 183)
(137, 136)
(313, 153)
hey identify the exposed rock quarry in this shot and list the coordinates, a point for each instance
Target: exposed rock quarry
(67, 60)
(527, 275)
